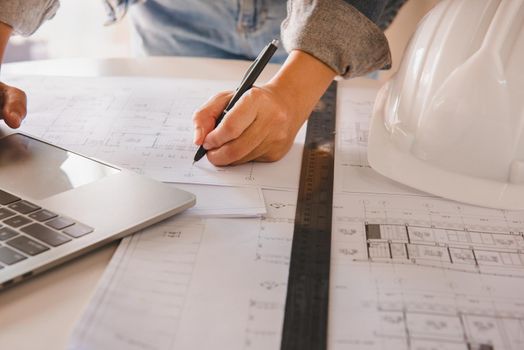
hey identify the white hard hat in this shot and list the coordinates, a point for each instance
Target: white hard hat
(451, 121)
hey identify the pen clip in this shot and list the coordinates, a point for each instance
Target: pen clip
(254, 63)
(248, 72)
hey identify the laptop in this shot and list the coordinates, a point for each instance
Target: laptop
(56, 204)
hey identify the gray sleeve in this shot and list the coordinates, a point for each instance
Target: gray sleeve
(25, 16)
(337, 34)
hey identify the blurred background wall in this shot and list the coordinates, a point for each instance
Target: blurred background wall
(78, 31)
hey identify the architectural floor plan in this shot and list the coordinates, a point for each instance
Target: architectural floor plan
(143, 124)
(413, 271)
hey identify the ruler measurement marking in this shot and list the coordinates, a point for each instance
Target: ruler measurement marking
(307, 302)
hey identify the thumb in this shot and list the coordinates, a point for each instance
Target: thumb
(205, 117)
(13, 105)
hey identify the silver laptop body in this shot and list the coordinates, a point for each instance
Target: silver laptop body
(56, 204)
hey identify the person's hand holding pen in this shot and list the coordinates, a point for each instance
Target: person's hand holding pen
(263, 124)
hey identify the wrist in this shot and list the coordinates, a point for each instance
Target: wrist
(301, 82)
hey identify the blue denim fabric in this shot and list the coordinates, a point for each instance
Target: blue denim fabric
(237, 29)
(220, 28)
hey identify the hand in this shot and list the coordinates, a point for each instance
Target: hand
(13, 103)
(261, 126)
(264, 122)
(12, 100)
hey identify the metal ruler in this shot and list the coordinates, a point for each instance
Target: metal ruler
(306, 312)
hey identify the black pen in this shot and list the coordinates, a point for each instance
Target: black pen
(247, 83)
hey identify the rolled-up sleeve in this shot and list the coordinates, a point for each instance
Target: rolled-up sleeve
(337, 34)
(25, 16)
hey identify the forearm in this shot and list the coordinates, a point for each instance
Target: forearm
(5, 33)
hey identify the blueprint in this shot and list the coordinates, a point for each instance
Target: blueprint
(143, 124)
(412, 271)
(409, 270)
(193, 283)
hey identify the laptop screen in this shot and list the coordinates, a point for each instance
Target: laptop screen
(38, 170)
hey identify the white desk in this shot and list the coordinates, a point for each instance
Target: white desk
(41, 312)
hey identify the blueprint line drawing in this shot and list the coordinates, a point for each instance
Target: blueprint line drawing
(412, 307)
(265, 310)
(471, 325)
(460, 330)
(430, 232)
(469, 251)
(143, 124)
(186, 276)
(411, 271)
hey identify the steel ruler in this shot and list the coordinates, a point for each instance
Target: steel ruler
(307, 301)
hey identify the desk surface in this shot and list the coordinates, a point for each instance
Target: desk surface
(44, 309)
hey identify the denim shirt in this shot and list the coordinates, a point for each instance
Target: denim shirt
(381, 12)
(347, 35)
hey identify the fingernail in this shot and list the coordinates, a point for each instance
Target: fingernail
(206, 145)
(198, 134)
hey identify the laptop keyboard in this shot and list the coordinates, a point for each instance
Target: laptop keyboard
(27, 230)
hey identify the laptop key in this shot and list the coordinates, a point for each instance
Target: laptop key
(5, 213)
(60, 223)
(9, 256)
(6, 198)
(6, 233)
(24, 207)
(27, 245)
(42, 215)
(77, 230)
(17, 221)
(45, 234)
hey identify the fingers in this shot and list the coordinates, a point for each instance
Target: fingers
(204, 118)
(257, 154)
(240, 148)
(237, 120)
(13, 105)
(261, 126)
(264, 153)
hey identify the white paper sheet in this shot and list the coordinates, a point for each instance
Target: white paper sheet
(192, 283)
(225, 201)
(409, 271)
(412, 271)
(143, 124)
